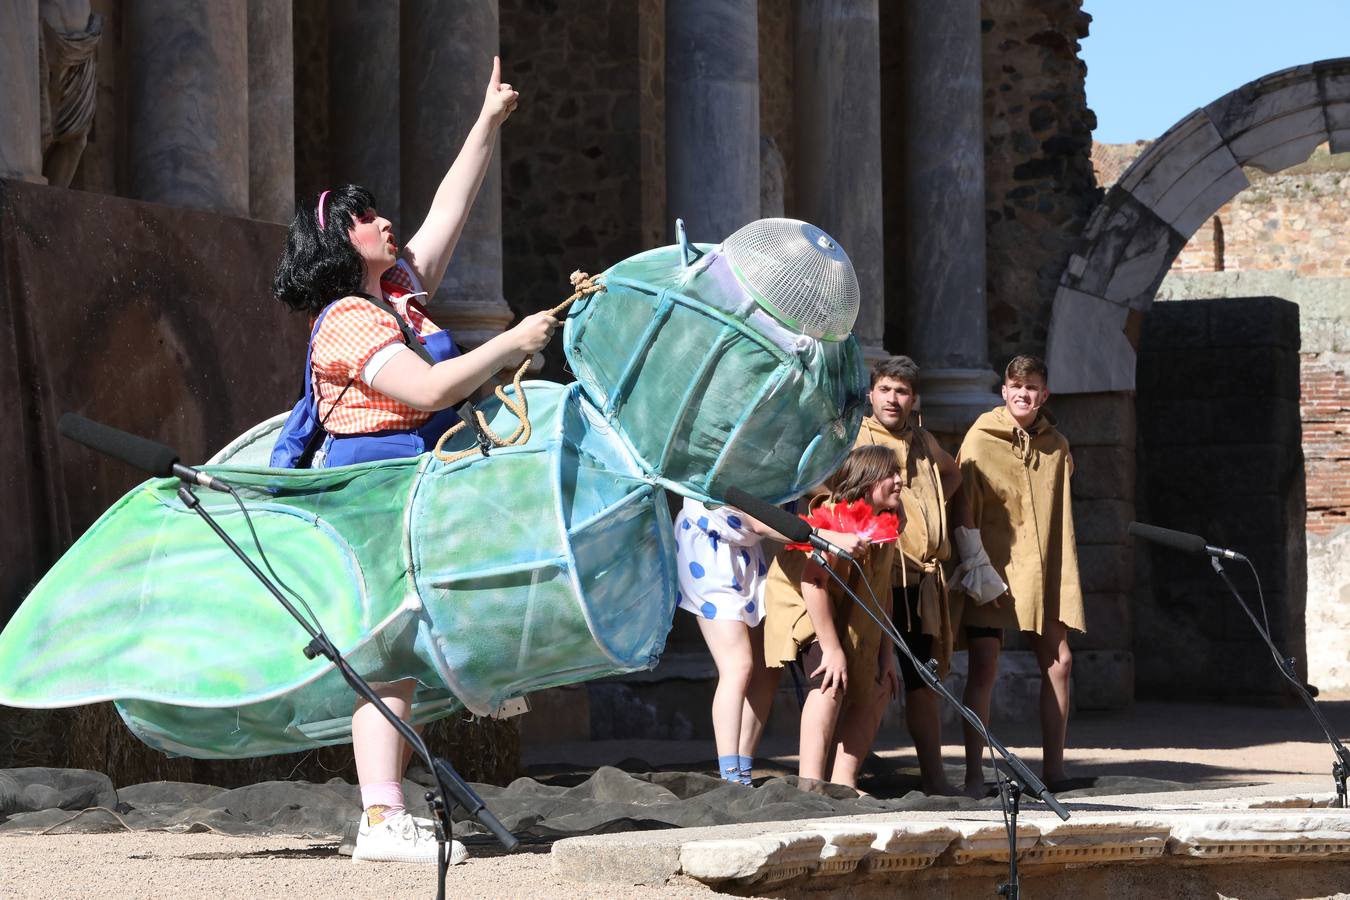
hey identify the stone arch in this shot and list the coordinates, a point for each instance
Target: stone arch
(1182, 180)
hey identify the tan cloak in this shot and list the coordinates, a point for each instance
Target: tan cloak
(788, 627)
(1017, 482)
(923, 541)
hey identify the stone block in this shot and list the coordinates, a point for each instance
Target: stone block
(1102, 472)
(1128, 249)
(1087, 350)
(1103, 679)
(1257, 322)
(908, 846)
(1105, 568)
(1186, 175)
(1095, 419)
(764, 860)
(988, 841)
(1264, 100)
(1110, 623)
(1017, 690)
(1101, 521)
(580, 859)
(1079, 842)
(1208, 201)
(845, 847)
(1175, 326)
(1310, 833)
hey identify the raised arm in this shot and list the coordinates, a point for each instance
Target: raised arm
(430, 249)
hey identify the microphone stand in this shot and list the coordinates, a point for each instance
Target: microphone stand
(1022, 779)
(1340, 768)
(452, 788)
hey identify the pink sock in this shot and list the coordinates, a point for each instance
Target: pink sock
(388, 794)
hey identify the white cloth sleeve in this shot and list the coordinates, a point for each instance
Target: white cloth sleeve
(975, 575)
(378, 359)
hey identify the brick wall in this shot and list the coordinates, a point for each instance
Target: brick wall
(1326, 439)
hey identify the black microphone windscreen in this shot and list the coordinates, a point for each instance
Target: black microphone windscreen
(148, 456)
(1177, 540)
(789, 526)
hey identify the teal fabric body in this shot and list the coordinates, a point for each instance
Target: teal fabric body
(704, 388)
(543, 564)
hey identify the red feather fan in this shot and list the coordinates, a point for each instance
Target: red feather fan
(853, 518)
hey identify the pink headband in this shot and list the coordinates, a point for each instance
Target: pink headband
(322, 197)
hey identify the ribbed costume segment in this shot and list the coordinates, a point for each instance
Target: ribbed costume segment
(709, 390)
(551, 565)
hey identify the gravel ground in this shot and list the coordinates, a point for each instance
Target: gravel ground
(1188, 743)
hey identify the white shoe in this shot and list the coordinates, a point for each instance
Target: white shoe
(399, 838)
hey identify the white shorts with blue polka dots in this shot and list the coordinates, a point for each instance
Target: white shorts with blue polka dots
(722, 565)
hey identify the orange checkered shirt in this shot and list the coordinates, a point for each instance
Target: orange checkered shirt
(351, 333)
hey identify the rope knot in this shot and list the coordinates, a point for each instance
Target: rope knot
(583, 285)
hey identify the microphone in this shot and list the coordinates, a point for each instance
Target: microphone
(137, 452)
(1181, 540)
(795, 529)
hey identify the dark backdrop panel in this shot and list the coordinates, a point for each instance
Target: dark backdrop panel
(155, 320)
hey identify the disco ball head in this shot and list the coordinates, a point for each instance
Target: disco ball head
(798, 274)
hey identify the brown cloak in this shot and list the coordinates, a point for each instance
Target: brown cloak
(1017, 482)
(788, 628)
(923, 541)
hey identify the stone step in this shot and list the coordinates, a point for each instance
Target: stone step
(887, 851)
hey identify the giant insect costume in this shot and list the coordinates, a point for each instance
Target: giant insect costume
(547, 560)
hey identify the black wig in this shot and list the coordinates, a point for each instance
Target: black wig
(320, 265)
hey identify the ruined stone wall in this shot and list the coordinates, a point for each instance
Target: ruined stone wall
(1038, 169)
(582, 158)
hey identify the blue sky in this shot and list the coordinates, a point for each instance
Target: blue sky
(1151, 62)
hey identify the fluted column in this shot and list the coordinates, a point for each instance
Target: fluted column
(271, 111)
(187, 105)
(838, 120)
(363, 101)
(944, 190)
(20, 103)
(712, 115)
(447, 52)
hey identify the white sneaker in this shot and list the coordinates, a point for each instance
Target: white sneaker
(399, 838)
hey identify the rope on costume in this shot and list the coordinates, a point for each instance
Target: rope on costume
(584, 285)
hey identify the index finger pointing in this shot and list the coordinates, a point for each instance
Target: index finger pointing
(496, 72)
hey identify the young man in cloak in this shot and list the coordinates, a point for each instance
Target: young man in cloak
(1016, 467)
(929, 477)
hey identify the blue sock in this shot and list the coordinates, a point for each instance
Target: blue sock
(746, 764)
(729, 767)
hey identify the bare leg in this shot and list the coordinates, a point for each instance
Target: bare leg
(758, 696)
(379, 750)
(983, 671)
(1056, 662)
(855, 735)
(924, 720)
(819, 715)
(729, 642)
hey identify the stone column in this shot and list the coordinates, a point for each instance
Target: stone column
(271, 111)
(187, 103)
(712, 116)
(945, 229)
(447, 55)
(20, 104)
(838, 122)
(363, 101)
